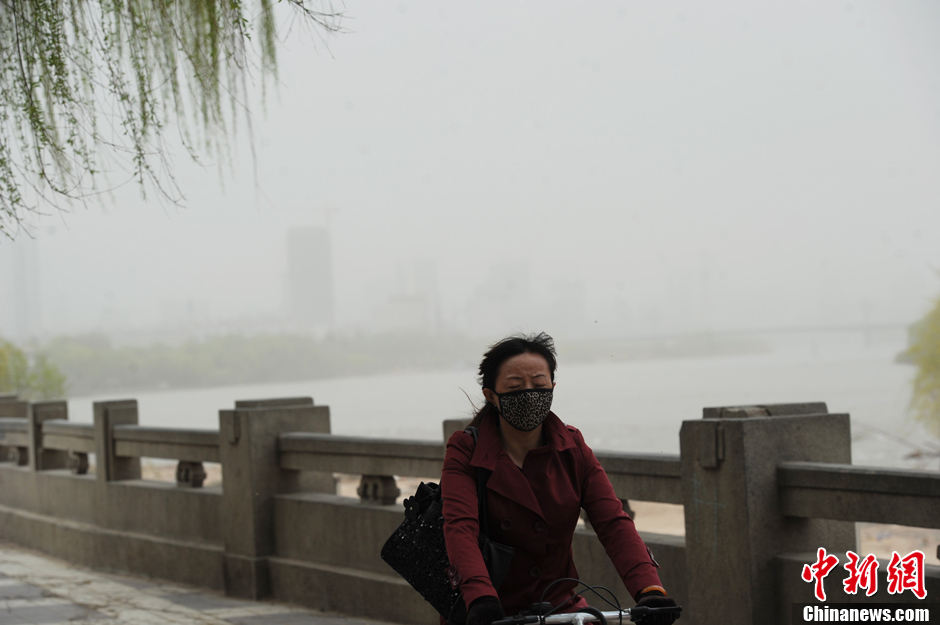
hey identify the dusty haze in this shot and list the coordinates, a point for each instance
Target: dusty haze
(616, 169)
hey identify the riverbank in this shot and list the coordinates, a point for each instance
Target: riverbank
(92, 364)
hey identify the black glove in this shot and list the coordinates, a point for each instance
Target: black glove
(484, 610)
(655, 599)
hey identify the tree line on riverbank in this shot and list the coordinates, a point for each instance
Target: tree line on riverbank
(93, 364)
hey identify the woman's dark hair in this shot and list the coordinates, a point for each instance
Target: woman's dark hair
(541, 344)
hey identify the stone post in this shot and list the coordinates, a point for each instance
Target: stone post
(108, 467)
(44, 459)
(251, 476)
(12, 407)
(454, 425)
(733, 524)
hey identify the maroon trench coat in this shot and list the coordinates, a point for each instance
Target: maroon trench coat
(535, 509)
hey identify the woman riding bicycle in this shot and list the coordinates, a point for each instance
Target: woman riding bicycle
(543, 474)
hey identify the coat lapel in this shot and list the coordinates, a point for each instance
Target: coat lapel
(506, 478)
(509, 482)
(557, 433)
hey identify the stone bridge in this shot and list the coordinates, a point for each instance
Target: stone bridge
(762, 487)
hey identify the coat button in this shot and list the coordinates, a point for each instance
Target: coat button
(539, 526)
(505, 525)
(535, 572)
(455, 581)
(451, 570)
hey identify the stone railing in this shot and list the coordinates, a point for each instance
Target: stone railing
(14, 437)
(844, 492)
(190, 447)
(377, 461)
(850, 493)
(761, 489)
(76, 440)
(646, 477)
(112, 519)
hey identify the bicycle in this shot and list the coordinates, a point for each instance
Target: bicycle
(541, 613)
(589, 615)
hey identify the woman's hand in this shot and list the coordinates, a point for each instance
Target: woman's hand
(656, 599)
(484, 610)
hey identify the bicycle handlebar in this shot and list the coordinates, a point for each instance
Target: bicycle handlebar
(578, 618)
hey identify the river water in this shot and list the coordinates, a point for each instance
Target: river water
(635, 406)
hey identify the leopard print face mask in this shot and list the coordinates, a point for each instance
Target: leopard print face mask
(526, 409)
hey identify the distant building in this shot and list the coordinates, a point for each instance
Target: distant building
(21, 316)
(310, 278)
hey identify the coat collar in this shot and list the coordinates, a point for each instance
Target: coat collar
(488, 448)
(506, 483)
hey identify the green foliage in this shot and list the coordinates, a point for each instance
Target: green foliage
(925, 354)
(14, 368)
(36, 380)
(87, 89)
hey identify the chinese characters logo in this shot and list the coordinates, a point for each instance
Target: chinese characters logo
(904, 573)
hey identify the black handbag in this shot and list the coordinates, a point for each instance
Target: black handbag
(417, 552)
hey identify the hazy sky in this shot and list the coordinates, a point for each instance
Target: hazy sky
(673, 167)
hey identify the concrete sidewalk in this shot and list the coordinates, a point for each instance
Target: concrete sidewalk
(36, 589)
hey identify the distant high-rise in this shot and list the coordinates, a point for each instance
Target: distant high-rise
(310, 278)
(20, 317)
